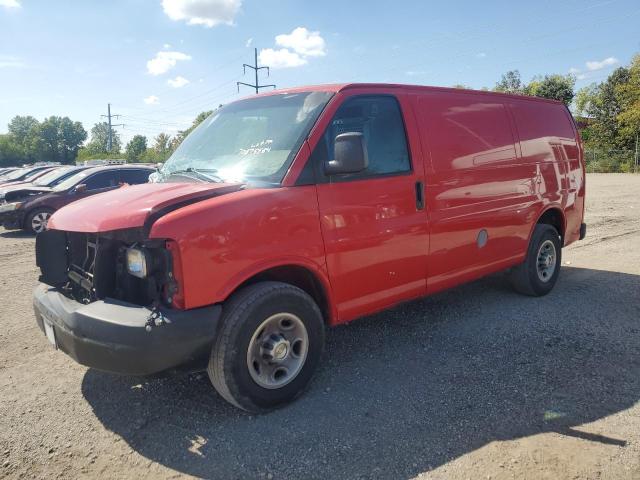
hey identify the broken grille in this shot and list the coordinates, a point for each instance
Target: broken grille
(82, 268)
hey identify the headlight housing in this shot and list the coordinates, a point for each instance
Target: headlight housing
(10, 207)
(137, 262)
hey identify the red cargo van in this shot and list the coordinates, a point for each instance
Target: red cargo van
(287, 212)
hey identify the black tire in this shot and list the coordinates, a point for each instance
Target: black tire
(29, 220)
(242, 314)
(525, 278)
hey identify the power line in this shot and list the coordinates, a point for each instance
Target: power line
(172, 105)
(110, 136)
(255, 69)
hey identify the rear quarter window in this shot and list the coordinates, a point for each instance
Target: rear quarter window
(545, 131)
(466, 131)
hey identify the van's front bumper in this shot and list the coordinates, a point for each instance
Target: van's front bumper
(113, 336)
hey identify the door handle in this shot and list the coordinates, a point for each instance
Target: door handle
(419, 195)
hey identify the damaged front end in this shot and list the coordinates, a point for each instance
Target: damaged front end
(110, 301)
(120, 265)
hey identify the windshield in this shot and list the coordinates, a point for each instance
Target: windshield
(67, 183)
(48, 179)
(249, 140)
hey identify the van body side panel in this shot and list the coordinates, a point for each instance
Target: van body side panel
(477, 184)
(549, 142)
(224, 241)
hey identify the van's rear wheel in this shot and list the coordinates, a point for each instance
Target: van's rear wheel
(268, 346)
(538, 274)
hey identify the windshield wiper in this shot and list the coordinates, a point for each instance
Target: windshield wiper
(198, 173)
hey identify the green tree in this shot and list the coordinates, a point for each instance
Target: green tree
(11, 153)
(99, 140)
(22, 128)
(24, 134)
(584, 98)
(71, 137)
(605, 107)
(57, 139)
(136, 148)
(510, 83)
(554, 87)
(628, 96)
(162, 145)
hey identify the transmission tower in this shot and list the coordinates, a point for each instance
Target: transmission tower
(255, 68)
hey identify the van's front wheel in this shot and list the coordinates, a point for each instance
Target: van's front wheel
(268, 346)
(538, 274)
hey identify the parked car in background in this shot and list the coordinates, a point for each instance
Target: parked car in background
(43, 183)
(29, 179)
(7, 171)
(291, 211)
(32, 213)
(22, 174)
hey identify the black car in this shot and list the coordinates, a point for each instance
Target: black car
(32, 212)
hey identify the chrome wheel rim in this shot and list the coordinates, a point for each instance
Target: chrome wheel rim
(546, 262)
(277, 350)
(39, 221)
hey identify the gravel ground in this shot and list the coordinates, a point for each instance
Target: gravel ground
(476, 382)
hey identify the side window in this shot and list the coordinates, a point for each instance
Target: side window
(134, 177)
(102, 180)
(379, 119)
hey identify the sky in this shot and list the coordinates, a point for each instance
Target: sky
(161, 62)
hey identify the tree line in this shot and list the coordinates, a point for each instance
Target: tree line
(59, 139)
(607, 113)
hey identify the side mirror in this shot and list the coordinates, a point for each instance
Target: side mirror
(80, 188)
(349, 153)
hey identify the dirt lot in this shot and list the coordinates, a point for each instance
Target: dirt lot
(477, 382)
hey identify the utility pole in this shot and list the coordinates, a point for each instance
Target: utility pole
(110, 137)
(255, 68)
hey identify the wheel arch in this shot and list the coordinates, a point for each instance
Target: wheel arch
(310, 280)
(554, 216)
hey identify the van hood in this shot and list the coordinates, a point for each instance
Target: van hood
(133, 206)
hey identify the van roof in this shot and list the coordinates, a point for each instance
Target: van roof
(339, 87)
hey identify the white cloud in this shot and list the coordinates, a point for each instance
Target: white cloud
(574, 71)
(151, 100)
(581, 76)
(481, 55)
(599, 65)
(298, 46)
(166, 46)
(248, 42)
(282, 58)
(165, 61)
(202, 12)
(9, 3)
(177, 82)
(303, 42)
